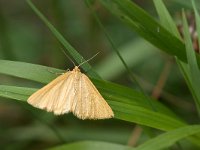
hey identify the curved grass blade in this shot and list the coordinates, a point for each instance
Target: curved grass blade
(88, 3)
(165, 18)
(131, 75)
(197, 19)
(79, 59)
(187, 4)
(167, 21)
(192, 62)
(111, 63)
(162, 141)
(147, 27)
(127, 104)
(123, 110)
(91, 145)
(44, 75)
(167, 139)
(27, 71)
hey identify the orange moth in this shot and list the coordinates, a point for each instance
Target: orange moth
(72, 92)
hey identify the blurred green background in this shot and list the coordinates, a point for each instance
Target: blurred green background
(24, 37)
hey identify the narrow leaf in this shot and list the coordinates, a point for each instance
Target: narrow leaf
(169, 138)
(91, 145)
(165, 18)
(162, 141)
(79, 59)
(147, 27)
(167, 21)
(192, 62)
(113, 91)
(127, 103)
(28, 71)
(197, 19)
(123, 110)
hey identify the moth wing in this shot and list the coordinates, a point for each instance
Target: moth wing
(56, 96)
(88, 103)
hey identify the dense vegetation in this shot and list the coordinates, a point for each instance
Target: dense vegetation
(147, 69)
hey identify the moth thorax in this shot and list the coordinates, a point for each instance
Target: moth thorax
(76, 69)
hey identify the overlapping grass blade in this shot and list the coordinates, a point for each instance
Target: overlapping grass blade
(147, 27)
(165, 18)
(91, 145)
(28, 71)
(70, 49)
(197, 19)
(167, 139)
(127, 103)
(192, 62)
(142, 51)
(169, 24)
(124, 110)
(162, 141)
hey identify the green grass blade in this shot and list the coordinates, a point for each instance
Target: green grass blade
(169, 24)
(142, 51)
(192, 62)
(130, 73)
(113, 45)
(91, 145)
(165, 18)
(169, 138)
(187, 4)
(147, 27)
(184, 68)
(14, 92)
(44, 75)
(127, 103)
(71, 50)
(162, 141)
(28, 71)
(197, 18)
(123, 109)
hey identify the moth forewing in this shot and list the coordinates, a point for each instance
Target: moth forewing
(72, 92)
(90, 104)
(51, 97)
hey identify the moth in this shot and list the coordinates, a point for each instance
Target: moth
(72, 92)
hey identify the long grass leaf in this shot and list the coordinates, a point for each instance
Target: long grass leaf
(91, 145)
(111, 63)
(192, 62)
(123, 99)
(127, 104)
(130, 73)
(165, 18)
(197, 19)
(169, 24)
(123, 111)
(147, 27)
(167, 139)
(79, 59)
(28, 71)
(113, 91)
(162, 141)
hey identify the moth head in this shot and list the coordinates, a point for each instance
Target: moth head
(76, 69)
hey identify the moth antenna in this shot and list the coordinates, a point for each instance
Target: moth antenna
(81, 59)
(68, 57)
(88, 59)
(56, 73)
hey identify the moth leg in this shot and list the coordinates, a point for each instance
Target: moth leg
(56, 73)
